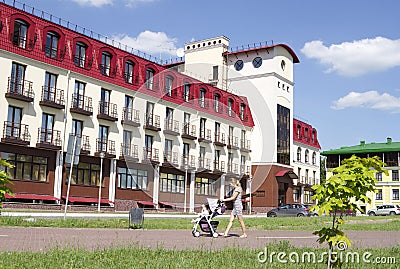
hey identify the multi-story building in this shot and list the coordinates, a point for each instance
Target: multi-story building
(306, 161)
(148, 134)
(264, 74)
(387, 186)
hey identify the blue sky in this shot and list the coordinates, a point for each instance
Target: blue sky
(346, 84)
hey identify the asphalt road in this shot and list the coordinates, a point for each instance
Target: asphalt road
(43, 239)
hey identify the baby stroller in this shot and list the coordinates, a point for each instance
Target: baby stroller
(214, 207)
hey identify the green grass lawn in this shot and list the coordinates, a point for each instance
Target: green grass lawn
(389, 223)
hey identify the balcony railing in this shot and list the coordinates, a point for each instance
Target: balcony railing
(82, 105)
(85, 145)
(204, 103)
(189, 131)
(20, 89)
(233, 142)
(131, 78)
(171, 127)
(107, 70)
(219, 139)
(54, 53)
(204, 163)
(233, 168)
(49, 138)
(245, 169)
(130, 117)
(16, 133)
(107, 111)
(170, 92)
(171, 158)
(22, 41)
(188, 161)
(152, 85)
(152, 122)
(105, 146)
(52, 97)
(219, 166)
(205, 135)
(151, 155)
(188, 97)
(245, 145)
(129, 152)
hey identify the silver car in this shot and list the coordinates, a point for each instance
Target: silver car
(384, 210)
(289, 210)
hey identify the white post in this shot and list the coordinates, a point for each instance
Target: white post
(69, 178)
(191, 193)
(250, 198)
(101, 177)
(184, 190)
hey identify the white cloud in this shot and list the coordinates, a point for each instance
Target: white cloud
(149, 42)
(95, 3)
(356, 58)
(134, 3)
(370, 99)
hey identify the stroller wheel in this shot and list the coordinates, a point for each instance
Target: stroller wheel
(215, 235)
(196, 233)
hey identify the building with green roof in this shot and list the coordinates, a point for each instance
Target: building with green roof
(388, 187)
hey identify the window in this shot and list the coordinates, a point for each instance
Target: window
(87, 174)
(230, 107)
(299, 174)
(314, 158)
(217, 98)
(168, 85)
(378, 176)
(299, 154)
(148, 143)
(379, 195)
(169, 118)
(105, 66)
(296, 195)
(26, 167)
(298, 131)
(134, 179)
(205, 186)
(283, 65)
(149, 113)
(313, 137)
(46, 133)
(203, 127)
(51, 47)
(186, 123)
(242, 111)
(306, 176)
(171, 183)
(202, 97)
(395, 175)
(185, 154)
(186, 92)
(217, 129)
(105, 101)
(77, 127)
(306, 156)
(216, 159)
(20, 35)
(239, 65)
(80, 54)
(215, 72)
(102, 138)
(17, 78)
(126, 143)
(128, 108)
(49, 88)
(149, 78)
(79, 95)
(14, 117)
(128, 74)
(257, 62)
(395, 194)
(283, 135)
(168, 150)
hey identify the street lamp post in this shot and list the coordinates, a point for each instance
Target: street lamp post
(102, 155)
(184, 186)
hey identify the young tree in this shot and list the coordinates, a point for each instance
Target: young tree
(4, 181)
(350, 183)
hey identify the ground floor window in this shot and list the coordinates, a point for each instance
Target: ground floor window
(307, 196)
(132, 179)
(205, 186)
(172, 183)
(87, 174)
(296, 195)
(395, 193)
(26, 167)
(379, 194)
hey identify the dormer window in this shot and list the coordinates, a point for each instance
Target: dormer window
(298, 131)
(80, 54)
(168, 85)
(186, 92)
(313, 137)
(217, 98)
(128, 74)
(230, 107)
(202, 97)
(20, 35)
(242, 111)
(51, 47)
(149, 78)
(105, 66)
(299, 154)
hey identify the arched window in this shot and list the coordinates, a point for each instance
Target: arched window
(299, 154)
(80, 54)
(168, 85)
(298, 131)
(217, 99)
(128, 73)
(202, 97)
(313, 136)
(105, 66)
(51, 48)
(186, 92)
(307, 153)
(230, 107)
(242, 111)
(149, 78)
(20, 33)
(314, 158)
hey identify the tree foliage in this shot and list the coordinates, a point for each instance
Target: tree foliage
(348, 185)
(4, 180)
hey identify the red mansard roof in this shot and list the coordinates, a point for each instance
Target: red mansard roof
(304, 132)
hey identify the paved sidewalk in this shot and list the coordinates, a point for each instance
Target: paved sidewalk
(42, 239)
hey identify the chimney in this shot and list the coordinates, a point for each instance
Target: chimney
(389, 140)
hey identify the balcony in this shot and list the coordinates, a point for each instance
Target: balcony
(130, 117)
(152, 122)
(85, 145)
(171, 159)
(52, 97)
(219, 167)
(233, 168)
(189, 132)
(49, 139)
(151, 155)
(171, 127)
(104, 146)
(188, 162)
(16, 133)
(205, 136)
(204, 164)
(107, 111)
(81, 105)
(219, 139)
(129, 152)
(245, 145)
(233, 142)
(20, 89)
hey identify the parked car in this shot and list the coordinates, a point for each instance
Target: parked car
(384, 210)
(311, 212)
(289, 210)
(347, 212)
